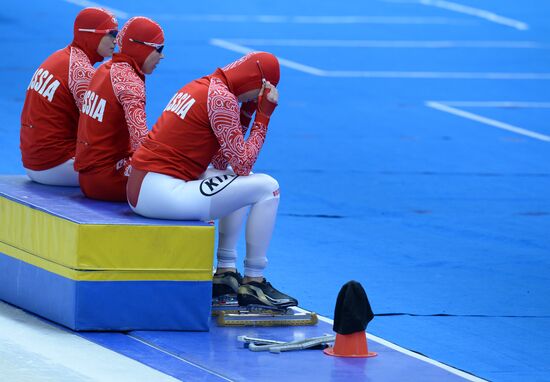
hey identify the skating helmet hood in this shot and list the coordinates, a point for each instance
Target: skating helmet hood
(140, 29)
(90, 25)
(246, 73)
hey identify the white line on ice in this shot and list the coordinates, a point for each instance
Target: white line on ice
(436, 44)
(244, 50)
(87, 3)
(499, 104)
(386, 74)
(438, 75)
(284, 19)
(487, 15)
(487, 121)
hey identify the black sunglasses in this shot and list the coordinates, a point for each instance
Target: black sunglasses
(110, 32)
(158, 47)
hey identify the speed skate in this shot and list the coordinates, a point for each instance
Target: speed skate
(229, 313)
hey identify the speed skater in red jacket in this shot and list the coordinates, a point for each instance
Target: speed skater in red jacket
(49, 119)
(171, 178)
(112, 122)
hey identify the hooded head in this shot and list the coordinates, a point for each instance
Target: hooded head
(246, 73)
(90, 26)
(135, 33)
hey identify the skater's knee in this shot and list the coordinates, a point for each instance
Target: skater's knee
(270, 186)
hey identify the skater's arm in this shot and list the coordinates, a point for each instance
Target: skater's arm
(81, 72)
(223, 112)
(246, 112)
(130, 92)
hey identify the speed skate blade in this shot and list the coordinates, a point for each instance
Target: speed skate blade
(229, 304)
(225, 303)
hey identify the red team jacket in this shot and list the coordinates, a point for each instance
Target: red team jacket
(54, 96)
(113, 107)
(181, 143)
(201, 124)
(50, 114)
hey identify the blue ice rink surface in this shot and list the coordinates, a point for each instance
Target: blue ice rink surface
(443, 214)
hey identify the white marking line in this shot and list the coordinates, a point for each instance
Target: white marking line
(179, 358)
(490, 16)
(439, 75)
(398, 348)
(86, 3)
(391, 44)
(282, 19)
(383, 74)
(488, 121)
(284, 62)
(499, 104)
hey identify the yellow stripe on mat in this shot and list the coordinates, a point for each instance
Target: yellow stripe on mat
(111, 275)
(105, 247)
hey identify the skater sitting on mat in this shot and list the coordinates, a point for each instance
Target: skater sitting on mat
(171, 177)
(112, 120)
(49, 119)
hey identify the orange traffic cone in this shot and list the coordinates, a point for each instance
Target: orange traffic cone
(350, 345)
(351, 316)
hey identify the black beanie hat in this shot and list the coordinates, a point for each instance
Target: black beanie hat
(352, 312)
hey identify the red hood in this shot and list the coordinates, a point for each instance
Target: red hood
(244, 74)
(92, 18)
(141, 29)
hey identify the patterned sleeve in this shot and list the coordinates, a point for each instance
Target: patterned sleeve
(223, 112)
(218, 161)
(129, 90)
(81, 72)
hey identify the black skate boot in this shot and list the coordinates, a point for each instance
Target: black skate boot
(262, 293)
(226, 283)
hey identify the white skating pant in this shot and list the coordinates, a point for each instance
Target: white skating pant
(218, 195)
(61, 175)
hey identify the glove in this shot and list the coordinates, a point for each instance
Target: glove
(265, 106)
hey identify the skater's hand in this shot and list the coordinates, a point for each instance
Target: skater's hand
(267, 99)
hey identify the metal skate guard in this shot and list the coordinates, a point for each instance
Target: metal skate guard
(229, 313)
(273, 346)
